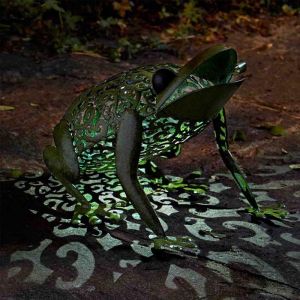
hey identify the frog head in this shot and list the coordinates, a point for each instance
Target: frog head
(201, 87)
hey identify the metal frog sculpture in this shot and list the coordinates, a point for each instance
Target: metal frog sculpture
(146, 112)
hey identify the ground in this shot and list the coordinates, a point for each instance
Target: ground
(43, 257)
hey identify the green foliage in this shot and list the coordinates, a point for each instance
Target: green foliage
(290, 11)
(190, 17)
(52, 4)
(125, 49)
(60, 25)
(46, 23)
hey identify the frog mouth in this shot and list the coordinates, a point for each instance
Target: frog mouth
(201, 87)
(201, 104)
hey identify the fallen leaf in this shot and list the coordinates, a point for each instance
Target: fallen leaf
(6, 107)
(288, 10)
(16, 173)
(295, 166)
(88, 53)
(265, 125)
(263, 47)
(80, 88)
(277, 130)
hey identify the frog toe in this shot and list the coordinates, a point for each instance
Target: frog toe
(88, 211)
(174, 243)
(269, 212)
(94, 212)
(94, 220)
(76, 219)
(115, 217)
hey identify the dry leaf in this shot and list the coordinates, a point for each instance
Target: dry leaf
(276, 130)
(263, 47)
(6, 107)
(295, 166)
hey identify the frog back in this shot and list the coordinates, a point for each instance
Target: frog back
(95, 115)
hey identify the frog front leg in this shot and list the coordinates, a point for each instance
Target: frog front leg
(128, 147)
(61, 160)
(221, 134)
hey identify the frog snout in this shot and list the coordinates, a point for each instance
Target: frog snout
(201, 105)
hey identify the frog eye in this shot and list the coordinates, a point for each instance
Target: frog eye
(161, 79)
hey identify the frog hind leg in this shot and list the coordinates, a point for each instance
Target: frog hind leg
(61, 160)
(128, 147)
(221, 134)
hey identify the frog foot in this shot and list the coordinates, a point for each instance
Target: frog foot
(275, 212)
(93, 211)
(174, 183)
(174, 243)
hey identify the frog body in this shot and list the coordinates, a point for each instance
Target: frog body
(95, 116)
(142, 113)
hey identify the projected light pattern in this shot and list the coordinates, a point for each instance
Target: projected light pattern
(111, 253)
